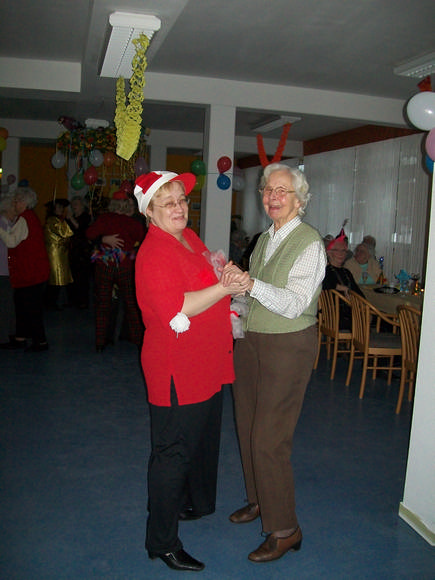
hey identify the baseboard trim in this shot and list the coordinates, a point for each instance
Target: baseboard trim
(415, 522)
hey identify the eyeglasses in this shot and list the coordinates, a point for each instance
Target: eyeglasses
(279, 191)
(183, 202)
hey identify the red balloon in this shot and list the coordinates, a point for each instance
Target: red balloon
(4, 133)
(126, 186)
(224, 164)
(91, 175)
(109, 158)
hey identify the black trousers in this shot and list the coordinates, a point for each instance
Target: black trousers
(183, 466)
(29, 311)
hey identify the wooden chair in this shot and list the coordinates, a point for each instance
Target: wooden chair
(371, 345)
(410, 323)
(329, 327)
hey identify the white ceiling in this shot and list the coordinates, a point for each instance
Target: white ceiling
(346, 46)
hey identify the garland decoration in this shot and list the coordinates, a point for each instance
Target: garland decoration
(128, 117)
(281, 146)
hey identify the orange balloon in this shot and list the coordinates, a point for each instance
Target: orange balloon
(4, 133)
(109, 158)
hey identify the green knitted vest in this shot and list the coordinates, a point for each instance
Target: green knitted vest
(275, 272)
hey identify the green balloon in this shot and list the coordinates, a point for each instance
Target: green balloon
(78, 180)
(198, 167)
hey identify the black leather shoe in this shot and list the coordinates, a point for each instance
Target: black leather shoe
(187, 514)
(179, 560)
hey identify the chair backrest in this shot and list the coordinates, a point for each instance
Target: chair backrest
(361, 315)
(410, 322)
(329, 305)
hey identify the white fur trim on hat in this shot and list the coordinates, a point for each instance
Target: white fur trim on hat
(144, 197)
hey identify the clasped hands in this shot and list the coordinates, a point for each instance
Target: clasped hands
(235, 279)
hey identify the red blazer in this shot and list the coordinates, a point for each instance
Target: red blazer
(201, 359)
(28, 262)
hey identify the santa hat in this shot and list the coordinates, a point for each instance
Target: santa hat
(148, 184)
(340, 238)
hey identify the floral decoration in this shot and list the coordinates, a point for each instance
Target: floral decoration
(83, 141)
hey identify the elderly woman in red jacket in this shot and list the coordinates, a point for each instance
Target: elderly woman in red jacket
(187, 356)
(29, 270)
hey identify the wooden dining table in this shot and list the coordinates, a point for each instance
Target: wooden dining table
(388, 303)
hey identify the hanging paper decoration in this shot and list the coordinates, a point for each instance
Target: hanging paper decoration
(128, 117)
(280, 150)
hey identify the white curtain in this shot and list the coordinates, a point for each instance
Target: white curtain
(382, 188)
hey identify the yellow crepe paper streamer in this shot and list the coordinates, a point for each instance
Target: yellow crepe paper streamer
(128, 117)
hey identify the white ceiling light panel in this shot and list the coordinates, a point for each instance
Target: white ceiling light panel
(120, 49)
(275, 124)
(418, 68)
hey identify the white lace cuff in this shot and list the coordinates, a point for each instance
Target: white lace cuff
(180, 323)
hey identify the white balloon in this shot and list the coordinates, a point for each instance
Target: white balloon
(58, 160)
(421, 110)
(238, 183)
(96, 157)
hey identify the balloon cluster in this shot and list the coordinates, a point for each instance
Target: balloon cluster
(421, 113)
(197, 167)
(96, 159)
(224, 164)
(4, 134)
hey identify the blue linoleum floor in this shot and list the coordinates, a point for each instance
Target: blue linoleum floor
(75, 443)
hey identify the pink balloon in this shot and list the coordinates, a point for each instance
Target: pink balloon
(430, 144)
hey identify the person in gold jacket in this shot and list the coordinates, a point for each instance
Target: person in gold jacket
(57, 234)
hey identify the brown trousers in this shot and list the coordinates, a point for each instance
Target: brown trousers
(272, 373)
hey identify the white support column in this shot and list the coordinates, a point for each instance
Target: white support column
(158, 155)
(216, 202)
(418, 505)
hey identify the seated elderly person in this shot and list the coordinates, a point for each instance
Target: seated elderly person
(339, 278)
(364, 268)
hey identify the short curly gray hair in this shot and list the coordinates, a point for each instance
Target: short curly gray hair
(27, 195)
(299, 181)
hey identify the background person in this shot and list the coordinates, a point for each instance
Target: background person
(364, 268)
(79, 253)
(187, 356)
(7, 309)
(29, 270)
(339, 278)
(273, 362)
(118, 237)
(57, 234)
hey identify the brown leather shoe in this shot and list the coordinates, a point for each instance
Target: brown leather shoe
(273, 548)
(245, 514)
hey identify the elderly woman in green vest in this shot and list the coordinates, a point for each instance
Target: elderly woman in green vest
(273, 361)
